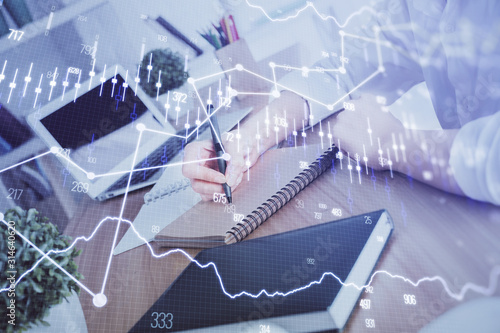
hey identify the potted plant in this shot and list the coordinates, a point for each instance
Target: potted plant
(43, 287)
(172, 79)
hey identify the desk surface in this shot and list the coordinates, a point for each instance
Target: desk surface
(436, 235)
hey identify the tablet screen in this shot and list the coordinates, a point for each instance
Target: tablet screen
(99, 126)
(288, 263)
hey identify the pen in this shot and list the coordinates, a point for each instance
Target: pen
(218, 149)
(228, 30)
(206, 37)
(220, 32)
(222, 24)
(233, 28)
(216, 42)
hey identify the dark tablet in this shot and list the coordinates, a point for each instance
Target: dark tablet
(299, 281)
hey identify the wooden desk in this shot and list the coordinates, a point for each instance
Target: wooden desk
(436, 234)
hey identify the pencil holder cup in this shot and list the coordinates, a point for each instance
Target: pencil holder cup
(244, 79)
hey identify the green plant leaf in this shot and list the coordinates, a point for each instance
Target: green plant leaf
(37, 287)
(171, 66)
(31, 216)
(26, 255)
(64, 262)
(45, 285)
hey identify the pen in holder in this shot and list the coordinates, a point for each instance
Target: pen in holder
(238, 53)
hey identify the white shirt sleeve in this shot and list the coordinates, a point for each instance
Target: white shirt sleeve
(475, 157)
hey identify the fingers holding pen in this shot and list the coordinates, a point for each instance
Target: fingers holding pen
(201, 169)
(206, 189)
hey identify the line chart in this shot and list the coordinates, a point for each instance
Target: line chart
(90, 175)
(141, 129)
(273, 81)
(309, 4)
(458, 296)
(100, 298)
(424, 59)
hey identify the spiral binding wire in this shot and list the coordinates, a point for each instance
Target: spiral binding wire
(162, 192)
(283, 196)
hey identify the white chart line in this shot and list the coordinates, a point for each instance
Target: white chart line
(26, 161)
(156, 167)
(45, 256)
(122, 209)
(459, 296)
(309, 4)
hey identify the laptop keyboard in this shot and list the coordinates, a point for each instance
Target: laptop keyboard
(160, 156)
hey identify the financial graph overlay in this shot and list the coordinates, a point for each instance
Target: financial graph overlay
(358, 39)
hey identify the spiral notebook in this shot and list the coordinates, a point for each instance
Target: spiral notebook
(172, 195)
(274, 181)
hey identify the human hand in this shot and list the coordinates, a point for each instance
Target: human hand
(244, 147)
(202, 170)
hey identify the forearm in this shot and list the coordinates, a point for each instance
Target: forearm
(421, 154)
(425, 157)
(271, 124)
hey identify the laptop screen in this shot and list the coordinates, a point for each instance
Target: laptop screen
(99, 126)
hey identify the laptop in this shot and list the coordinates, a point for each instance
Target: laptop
(93, 131)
